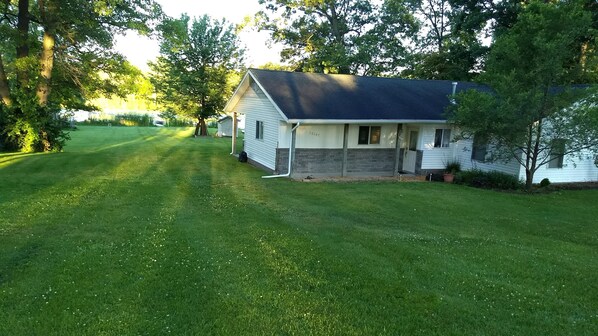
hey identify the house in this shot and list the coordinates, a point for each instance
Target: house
(225, 126)
(343, 125)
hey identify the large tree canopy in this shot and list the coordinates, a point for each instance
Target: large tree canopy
(431, 39)
(334, 36)
(194, 74)
(535, 114)
(55, 54)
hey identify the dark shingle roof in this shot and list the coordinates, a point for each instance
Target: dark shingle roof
(304, 96)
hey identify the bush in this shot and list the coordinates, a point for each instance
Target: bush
(488, 180)
(39, 130)
(120, 120)
(452, 167)
(544, 183)
(179, 122)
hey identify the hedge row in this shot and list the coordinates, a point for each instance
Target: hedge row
(489, 180)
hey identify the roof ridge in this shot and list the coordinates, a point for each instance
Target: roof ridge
(361, 76)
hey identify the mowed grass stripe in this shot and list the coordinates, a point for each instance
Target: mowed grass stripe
(147, 231)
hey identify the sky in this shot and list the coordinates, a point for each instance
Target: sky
(139, 50)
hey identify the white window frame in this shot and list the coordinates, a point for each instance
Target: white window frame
(557, 154)
(442, 138)
(259, 130)
(477, 147)
(371, 139)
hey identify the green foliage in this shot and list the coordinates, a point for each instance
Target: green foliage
(32, 128)
(544, 183)
(121, 120)
(195, 73)
(488, 180)
(277, 67)
(56, 55)
(132, 119)
(333, 36)
(448, 42)
(436, 39)
(452, 167)
(173, 120)
(533, 103)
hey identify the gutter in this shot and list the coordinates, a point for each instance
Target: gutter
(364, 121)
(291, 143)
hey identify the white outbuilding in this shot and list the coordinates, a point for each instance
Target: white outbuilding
(225, 126)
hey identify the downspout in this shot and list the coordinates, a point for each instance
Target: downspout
(234, 138)
(291, 143)
(454, 92)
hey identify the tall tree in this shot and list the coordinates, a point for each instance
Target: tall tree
(334, 36)
(535, 115)
(54, 54)
(194, 74)
(448, 38)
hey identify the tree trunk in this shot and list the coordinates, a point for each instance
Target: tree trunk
(4, 89)
(197, 127)
(23, 20)
(529, 179)
(201, 128)
(47, 64)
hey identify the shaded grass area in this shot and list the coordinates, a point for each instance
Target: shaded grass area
(147, 231)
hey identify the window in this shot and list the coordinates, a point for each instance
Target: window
(259, 130)
(369, 135)
(479, 149)
(557, 153)
(442, 138)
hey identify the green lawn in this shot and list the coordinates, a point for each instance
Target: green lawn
(147, 231)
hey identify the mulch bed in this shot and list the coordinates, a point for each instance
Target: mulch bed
(574, 186)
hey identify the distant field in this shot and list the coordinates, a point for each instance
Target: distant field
(148, 231)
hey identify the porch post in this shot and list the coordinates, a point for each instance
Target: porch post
(234, 145)
(397, 149)
(345, 149)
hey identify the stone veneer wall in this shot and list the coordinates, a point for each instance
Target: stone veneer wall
(419, 157)
(371, 161)
(329, 162)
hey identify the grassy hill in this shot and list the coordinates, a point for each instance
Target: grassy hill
(148, 231)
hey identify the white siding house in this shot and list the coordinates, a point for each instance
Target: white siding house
(340, 125)
(574, 169)
(261, 148)
(463, 154)
(225, 127)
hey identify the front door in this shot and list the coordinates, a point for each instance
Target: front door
(411, 152)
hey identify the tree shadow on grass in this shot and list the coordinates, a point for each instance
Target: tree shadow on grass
(113, 251)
